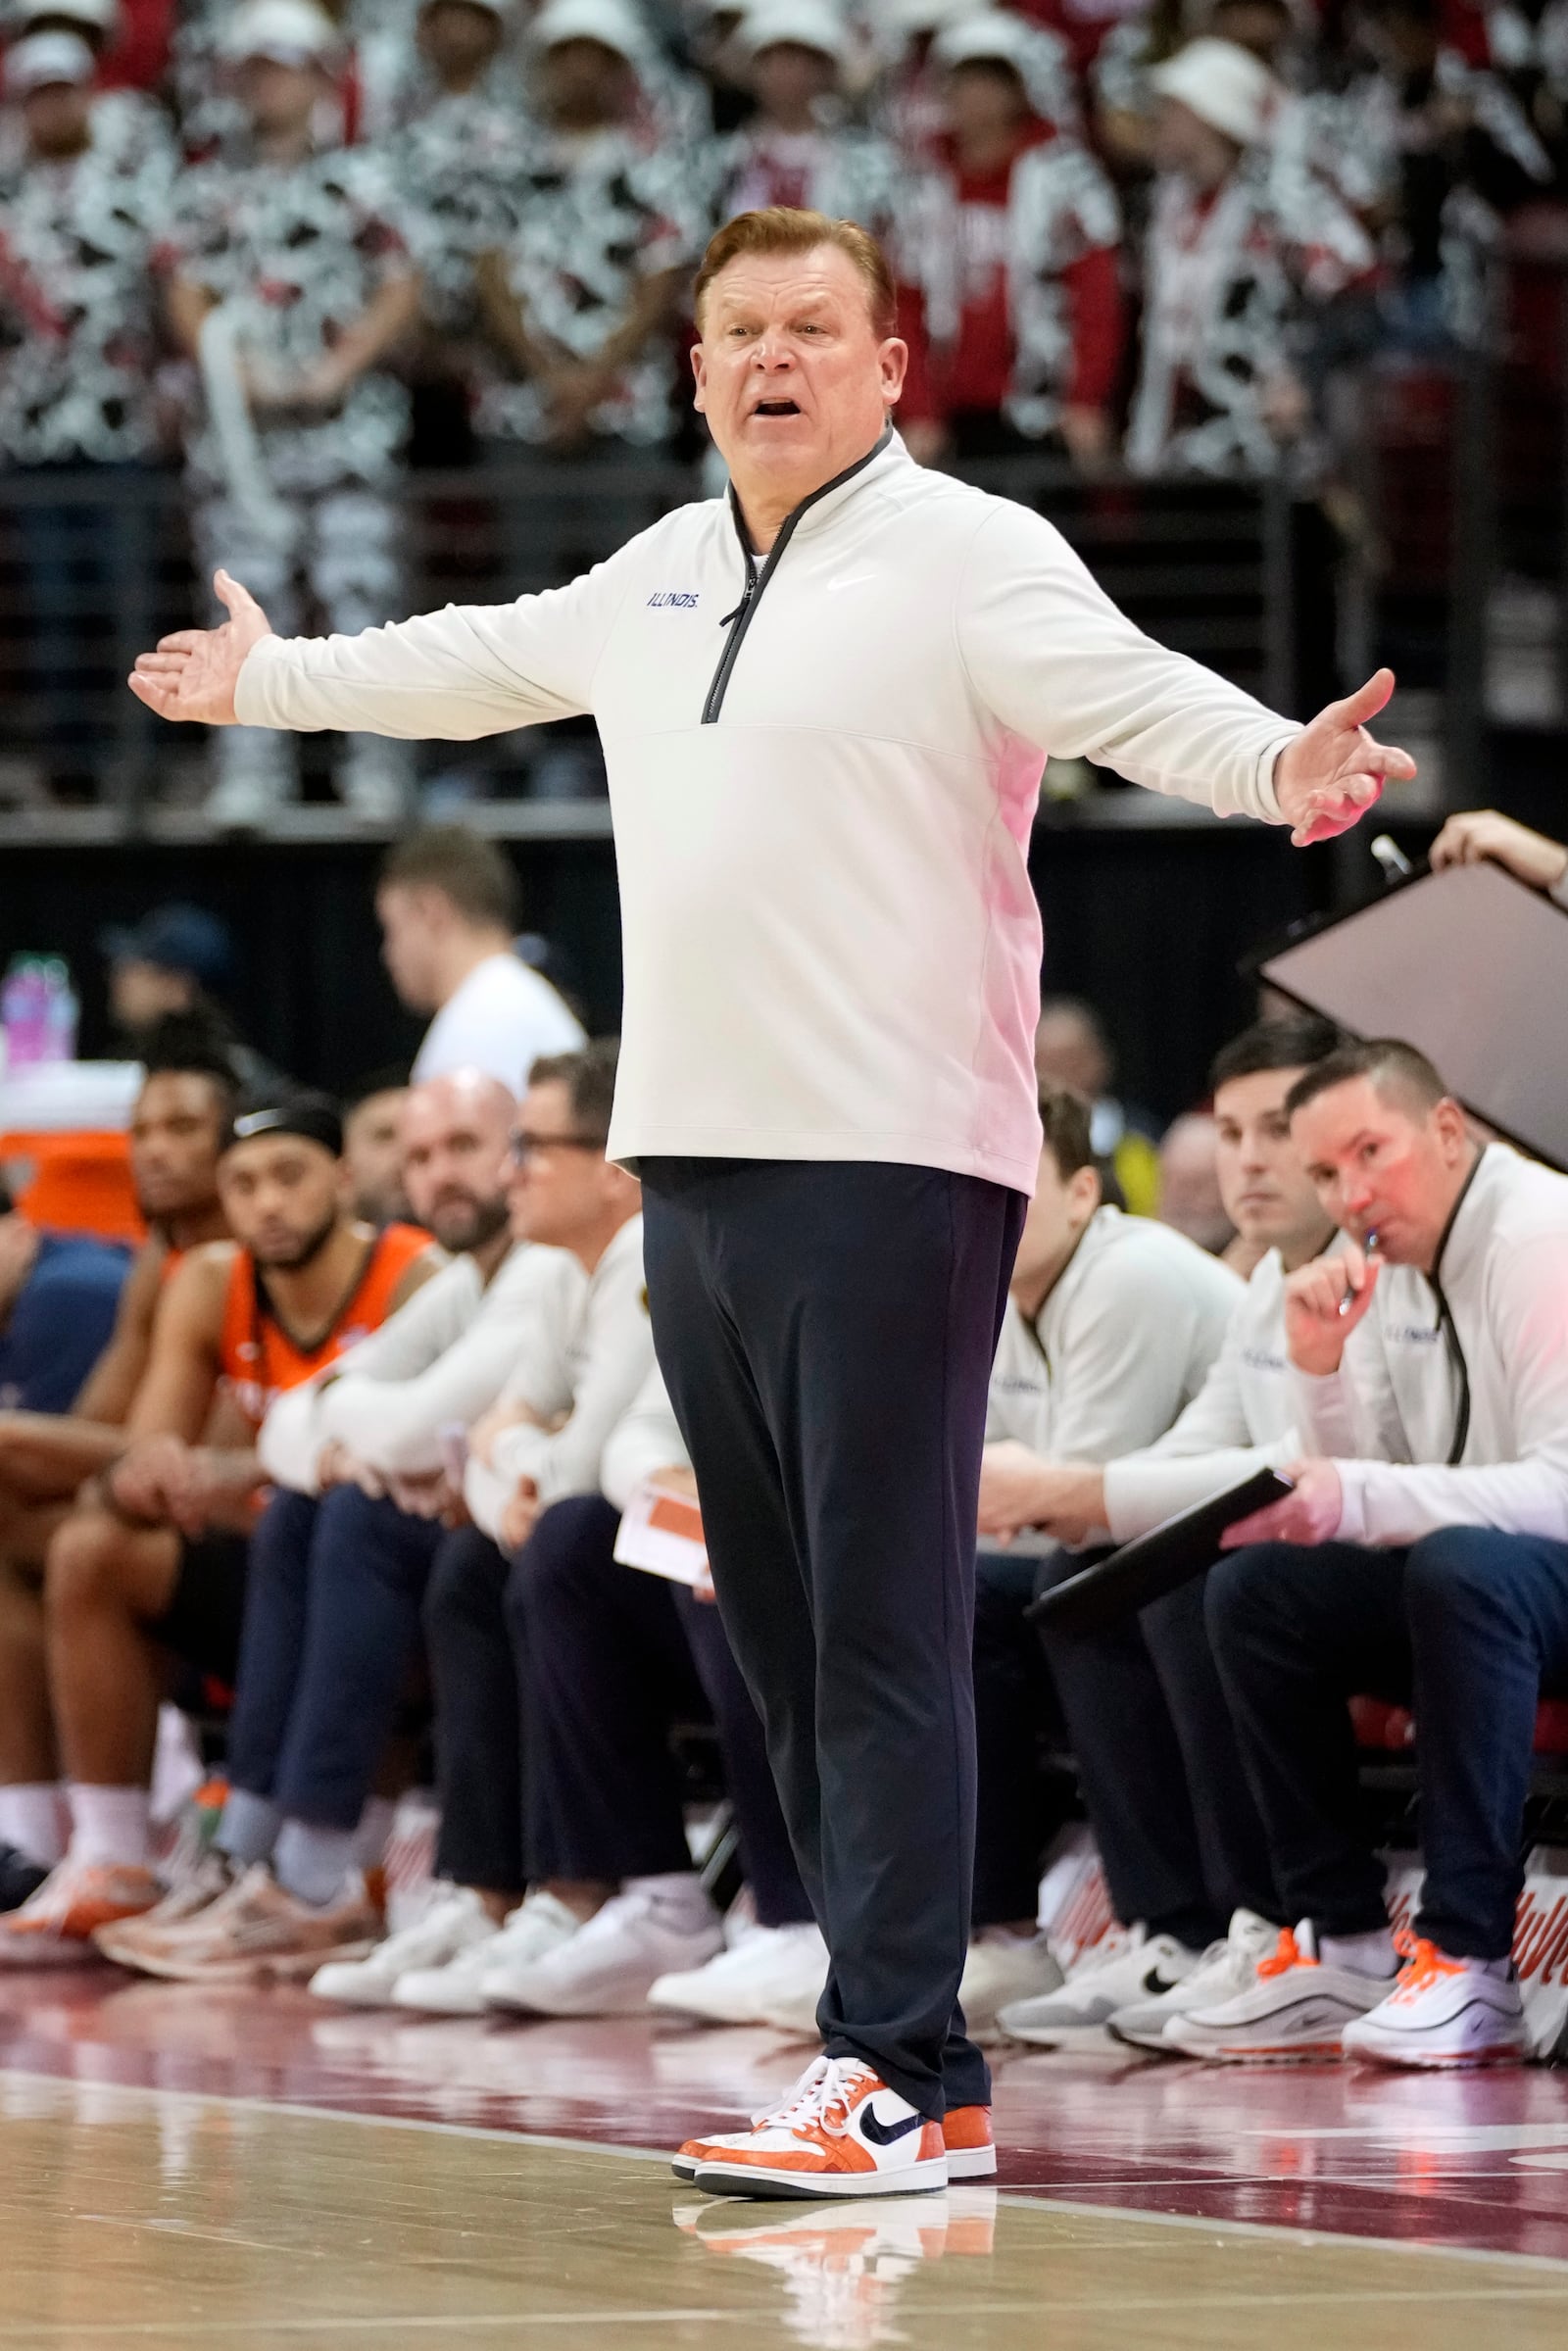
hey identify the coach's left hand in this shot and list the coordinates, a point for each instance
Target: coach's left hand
(1333, 770)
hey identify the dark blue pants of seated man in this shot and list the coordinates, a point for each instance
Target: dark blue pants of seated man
(1467, 1624)
(1159, 1766)
(331, 1629)
(617, 1659)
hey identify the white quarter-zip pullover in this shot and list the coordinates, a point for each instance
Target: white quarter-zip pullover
(578, 1367)
(1124, 1341)
(823, 771)
(438, 1363)
(1390, 1416)
(644, 1441)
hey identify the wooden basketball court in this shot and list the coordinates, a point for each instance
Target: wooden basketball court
(181, 2167)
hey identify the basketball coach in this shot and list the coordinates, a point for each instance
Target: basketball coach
(824, 703)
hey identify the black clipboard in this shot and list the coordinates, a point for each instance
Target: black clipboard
(1154, 1564)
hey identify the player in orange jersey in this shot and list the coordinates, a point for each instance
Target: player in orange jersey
(152, 1560)
(178, 1120)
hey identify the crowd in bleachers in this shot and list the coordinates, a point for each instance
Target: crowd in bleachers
(285, 247)
(377, 1466)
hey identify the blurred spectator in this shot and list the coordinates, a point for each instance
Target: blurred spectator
(447, 900)
(1073, 1050)
(459, 131)
(1436, 151)
(177, 960)
(580, 292)
(1239, 256)
(129, 125)
(291, 282)
(910, 101)
(59, 1296)
(1121, 81)
(1015, 247)
(1189, 1184)
(797, 148)
(78, 423)
(716, 52)
(373, 1146)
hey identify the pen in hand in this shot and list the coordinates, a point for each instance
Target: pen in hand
(1350, 1296)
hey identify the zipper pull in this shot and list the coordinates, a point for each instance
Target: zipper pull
(747, 594)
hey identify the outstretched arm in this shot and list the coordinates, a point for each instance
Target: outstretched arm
(1054, 661)
(452, 676)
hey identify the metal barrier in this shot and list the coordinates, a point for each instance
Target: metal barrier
(96, 566)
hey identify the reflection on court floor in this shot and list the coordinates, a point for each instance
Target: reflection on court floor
(182, 2167)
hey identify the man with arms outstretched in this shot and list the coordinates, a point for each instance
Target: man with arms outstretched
(824, 704)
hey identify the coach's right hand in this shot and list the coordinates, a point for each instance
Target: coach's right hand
(195, 672)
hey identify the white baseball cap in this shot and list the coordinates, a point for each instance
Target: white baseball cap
(805, 23)
(41, 57)
(101, 15)
(988, 34)
(287, 33)
(1225, 86)
(610, 23)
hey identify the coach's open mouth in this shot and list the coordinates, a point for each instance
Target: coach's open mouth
(776, 408)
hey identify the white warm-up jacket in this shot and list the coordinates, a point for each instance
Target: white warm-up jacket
(577, 1370)
(1123, 1341)
(823, 770)
(1391, 1417)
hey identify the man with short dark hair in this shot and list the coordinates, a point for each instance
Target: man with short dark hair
(1184, 1847)
(1111, 1327)
(177, 1124)
(372, 1146)
(825, 703)
(1422, 1555)
(447, 900)
(153, 1556)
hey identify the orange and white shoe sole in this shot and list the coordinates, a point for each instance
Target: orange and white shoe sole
(964, 2163)
(780, 2181)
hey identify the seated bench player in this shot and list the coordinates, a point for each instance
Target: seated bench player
(336, 1571)
(1111, 1325)
(1422, 1556)
(1240, 1419)
(152, 1560)
(177, 1122)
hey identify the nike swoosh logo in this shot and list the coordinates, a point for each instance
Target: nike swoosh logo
(862, 580)
(887, 2135)
(1155, 1983)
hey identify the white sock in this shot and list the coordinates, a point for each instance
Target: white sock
(679, 1898)
(373, 1833)
(247, 1829)
(1370, 1954)
(109, 1826)
(312, 1863)
(35, 1822)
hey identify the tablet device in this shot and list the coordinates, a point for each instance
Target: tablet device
(1471, 966)
(1154, 1564)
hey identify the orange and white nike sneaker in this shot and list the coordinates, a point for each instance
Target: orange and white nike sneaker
(967, 2138)
(967, 2141)
(55, 1926)
(840, 2131)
